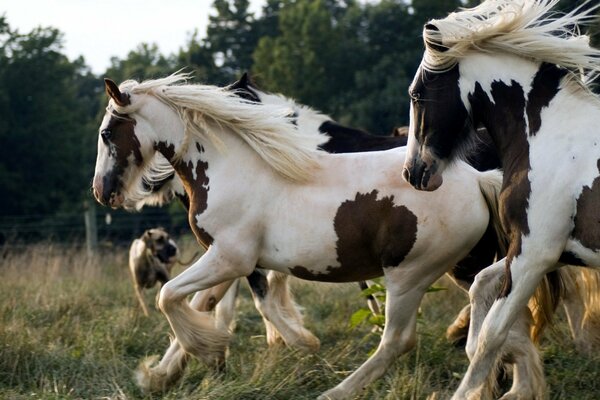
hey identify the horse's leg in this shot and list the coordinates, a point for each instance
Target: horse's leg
(528, 371)
(458, 330)
(225, 309)
(283, 320)
(399, 334)
(172, 364)
(197, 332)
(488, 333)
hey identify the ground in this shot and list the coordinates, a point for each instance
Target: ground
(70, 328)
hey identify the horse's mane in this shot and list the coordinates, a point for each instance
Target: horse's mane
(526, 28)
(267, 129)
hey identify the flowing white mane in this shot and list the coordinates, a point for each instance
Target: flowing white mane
(267, 129)
(526, 28)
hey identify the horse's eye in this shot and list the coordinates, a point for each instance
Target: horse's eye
(106, 134)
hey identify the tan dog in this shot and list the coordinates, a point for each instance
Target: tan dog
(151, 258)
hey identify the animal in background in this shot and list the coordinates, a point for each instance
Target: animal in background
(151, 258)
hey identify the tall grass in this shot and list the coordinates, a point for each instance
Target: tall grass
(70, 328)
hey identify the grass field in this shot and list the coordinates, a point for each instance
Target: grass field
(70, 328)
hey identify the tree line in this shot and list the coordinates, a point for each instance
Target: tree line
(349, 59)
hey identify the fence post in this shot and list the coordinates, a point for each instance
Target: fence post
(91, 232)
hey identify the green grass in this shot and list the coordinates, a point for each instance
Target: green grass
(70, 328)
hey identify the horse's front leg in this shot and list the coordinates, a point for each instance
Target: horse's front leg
(197, 332)
(156, 378)
(399, 334)
(488, 333)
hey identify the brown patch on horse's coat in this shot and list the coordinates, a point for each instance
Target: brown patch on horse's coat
(123, 138)
(571, 259)
(544, 87)
(587, 217)
(197, 188)
(372, 234)
(506, 124)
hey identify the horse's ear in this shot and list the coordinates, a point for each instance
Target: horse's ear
(245, 79)
(433, 38)
(112, 91)
(241, 83)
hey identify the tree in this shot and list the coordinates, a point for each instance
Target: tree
(232, 37)
(144, 62)
(307, 60)
(43, 124)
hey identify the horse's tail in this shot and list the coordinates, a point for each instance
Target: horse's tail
(490, 183)
(582, 304)
(544, 302)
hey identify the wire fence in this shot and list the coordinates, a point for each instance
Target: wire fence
(113, 227)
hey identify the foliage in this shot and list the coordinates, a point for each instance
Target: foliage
(377, 291)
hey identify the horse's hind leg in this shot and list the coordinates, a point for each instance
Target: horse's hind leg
(283, 320)
(458, 331)
(155, 378)
(528, 370)
(399, 333)
(225, 309)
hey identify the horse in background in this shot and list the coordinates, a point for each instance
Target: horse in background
(237, 156)
(515, 68)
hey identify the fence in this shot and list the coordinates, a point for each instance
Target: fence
(92, 226)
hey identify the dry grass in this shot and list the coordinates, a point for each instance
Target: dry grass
(70, 328)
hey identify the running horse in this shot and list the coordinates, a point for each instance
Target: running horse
(520, 70)
(257, 187)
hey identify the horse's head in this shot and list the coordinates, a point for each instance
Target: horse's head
(438, 118)
(124, 145)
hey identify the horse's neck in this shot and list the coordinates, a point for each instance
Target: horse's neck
(510, 106)
(200, 158)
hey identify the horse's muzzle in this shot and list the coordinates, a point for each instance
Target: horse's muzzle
(106, 194)
(422, 175)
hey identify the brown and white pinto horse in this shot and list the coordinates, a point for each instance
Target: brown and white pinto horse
(513, 67)
(256, 186)
(270, 290)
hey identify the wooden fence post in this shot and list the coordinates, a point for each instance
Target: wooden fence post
(91, 232)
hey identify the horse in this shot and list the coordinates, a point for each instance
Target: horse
(260, 194)
(522, 72)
